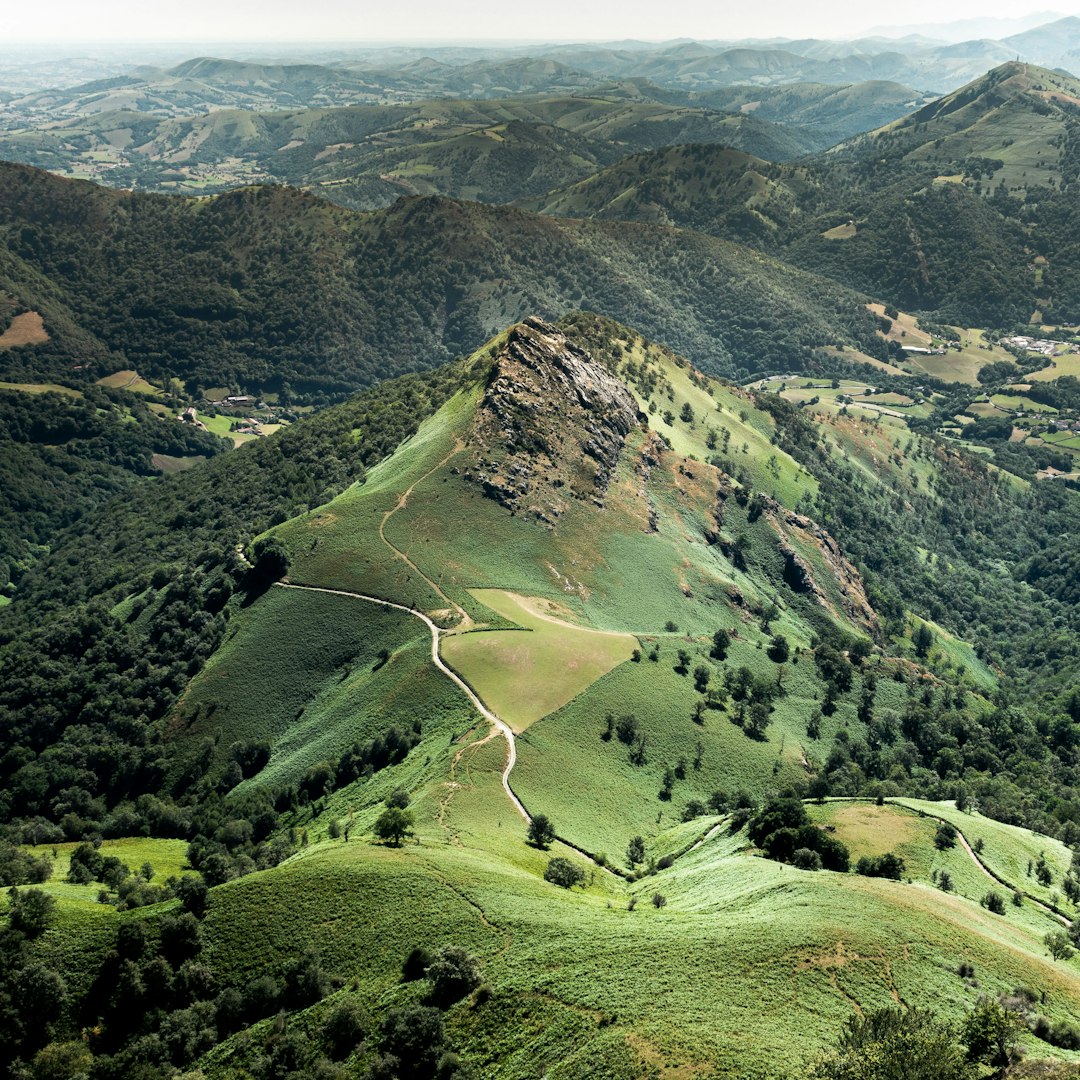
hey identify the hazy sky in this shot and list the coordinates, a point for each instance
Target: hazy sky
(546, 20)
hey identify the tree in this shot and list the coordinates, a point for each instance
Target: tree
(564, 873)
(193, 894)
(994, 901)
(271, 559)
(413, 1035)
(399, 797)
(701, 678)
(1058, 945)
(393, 825)
(779, 649)
(922, 640)
(30, 911)
(453, 972)
(659, 900)
(945, 837)
(770, 613)
(894, 1044)
(541, 831)
(344, 1028)
(635, 851)
(721, 642)
(806, 859)
(991, 1032)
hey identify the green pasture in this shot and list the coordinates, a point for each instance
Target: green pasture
(524, 674)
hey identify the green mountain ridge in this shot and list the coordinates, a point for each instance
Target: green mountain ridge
(227, 292)
(565, 494)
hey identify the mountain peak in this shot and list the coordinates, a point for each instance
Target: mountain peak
(550, 426)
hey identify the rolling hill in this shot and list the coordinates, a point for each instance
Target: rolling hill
(572, 512)
(368, 155)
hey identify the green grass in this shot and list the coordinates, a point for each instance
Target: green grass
(167, 857)
(1068, 364)
(749, 964)
(303, 671)
(1017, 402)
(524, 674)
(131, 381)
(1007, 849)
(564, 754)
(40, 388)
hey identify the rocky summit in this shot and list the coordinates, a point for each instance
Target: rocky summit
(550, 426)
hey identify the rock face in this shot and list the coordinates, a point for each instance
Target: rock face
(800, 576)
(551, 425)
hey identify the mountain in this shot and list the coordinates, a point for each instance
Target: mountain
(967, 29)
(1017, 118)
(709, 189)
(493, 591)
(942, 211)
(1052, 44)
(367, 156)
(225, 292)
(825, 114)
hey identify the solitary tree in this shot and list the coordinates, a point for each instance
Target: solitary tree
(635, 851)
(541, 831)
(393, 825)
(564, 873)
(922, 639)
(1058, 945)
(721, 642)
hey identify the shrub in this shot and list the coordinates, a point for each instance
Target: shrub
(344, 1028)
(635, 851)
(994, 901)
(564, 873)
(945, 837)
(884, 866)
(453, 973)
(806, 859)
(894, 1043)
(414, 1034)
(659, 900)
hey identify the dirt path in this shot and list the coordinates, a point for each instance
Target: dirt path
(437, 660)
(403, 501)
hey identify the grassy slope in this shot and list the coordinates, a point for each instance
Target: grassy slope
(303, 671)
(524, 674)
(750, 963)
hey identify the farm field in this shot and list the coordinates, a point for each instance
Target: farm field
(1069, 364)
(131, 381)
(41, 388)
(25, 329)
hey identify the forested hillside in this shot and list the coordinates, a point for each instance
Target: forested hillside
(266, 285)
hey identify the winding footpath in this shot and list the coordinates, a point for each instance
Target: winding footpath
(500, 725)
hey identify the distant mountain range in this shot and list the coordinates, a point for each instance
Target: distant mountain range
(494, 150)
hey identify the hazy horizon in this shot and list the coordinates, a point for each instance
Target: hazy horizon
(487, 23)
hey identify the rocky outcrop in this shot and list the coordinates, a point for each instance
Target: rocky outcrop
(799, 574)
(551, 425)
